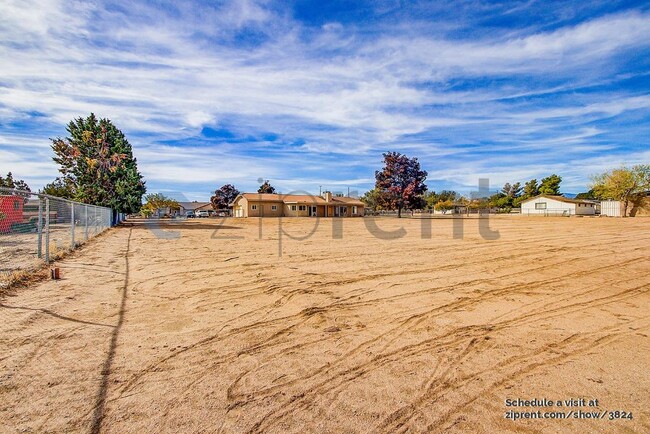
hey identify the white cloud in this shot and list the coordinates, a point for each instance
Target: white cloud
(164, 76)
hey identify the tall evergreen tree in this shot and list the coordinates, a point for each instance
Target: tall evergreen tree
(97, 161)
(531, 189)
(512, 190)
(550, 185)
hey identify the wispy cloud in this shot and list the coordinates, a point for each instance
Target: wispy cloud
(315, 100)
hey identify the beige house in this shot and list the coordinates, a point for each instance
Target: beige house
(294, 205)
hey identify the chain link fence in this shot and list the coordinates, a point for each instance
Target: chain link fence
(37, 228)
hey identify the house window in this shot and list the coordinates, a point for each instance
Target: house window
(540, 206)
(293, 207)
(354, 210)
(253, 207)
(302, 208)
(274, 207)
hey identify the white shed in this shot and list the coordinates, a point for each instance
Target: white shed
(547, 205)
(611, 208)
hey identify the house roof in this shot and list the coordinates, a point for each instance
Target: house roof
(303, 198)
(298, 198)
(347, 200)
(560, 199)
(261, 197)
(192, 205)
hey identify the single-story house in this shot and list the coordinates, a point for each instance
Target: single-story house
(295, 205)
(548, 205)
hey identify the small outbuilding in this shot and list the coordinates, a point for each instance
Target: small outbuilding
(11, 211)
(547, 205)
(611, 208)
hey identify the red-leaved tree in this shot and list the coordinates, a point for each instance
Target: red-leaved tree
(224, 196)
(401, 182)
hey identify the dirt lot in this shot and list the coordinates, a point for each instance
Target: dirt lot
(196, 330)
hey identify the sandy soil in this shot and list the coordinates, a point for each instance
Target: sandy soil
(19, 251)
(210, 329)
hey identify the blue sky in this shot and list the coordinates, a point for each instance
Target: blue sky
(310, 94)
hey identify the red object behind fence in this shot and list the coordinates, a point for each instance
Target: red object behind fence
(11, 211)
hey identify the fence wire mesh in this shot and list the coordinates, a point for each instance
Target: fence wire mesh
(37, 228)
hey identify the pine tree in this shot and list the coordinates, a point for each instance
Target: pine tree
(97, 160)
(550, 185)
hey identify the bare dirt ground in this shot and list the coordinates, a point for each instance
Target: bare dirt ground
(215, 331)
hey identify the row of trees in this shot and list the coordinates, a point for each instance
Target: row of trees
(511, 195)
(400, 185)
(10, 182)
(625, 184)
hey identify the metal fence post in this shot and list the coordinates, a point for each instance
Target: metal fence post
(72, 225)
(47, 230)
(86, 219)
(40, 227)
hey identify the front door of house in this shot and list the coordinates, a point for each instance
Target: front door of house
(313, 211)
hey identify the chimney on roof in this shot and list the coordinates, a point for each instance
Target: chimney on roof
(328, 196)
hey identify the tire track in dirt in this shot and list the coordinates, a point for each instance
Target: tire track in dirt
(456, 305)
(510, 365)
(509, 375)
(284, 299)
(259, 347)
(424, 316)
(349, 374)
(153, 367)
